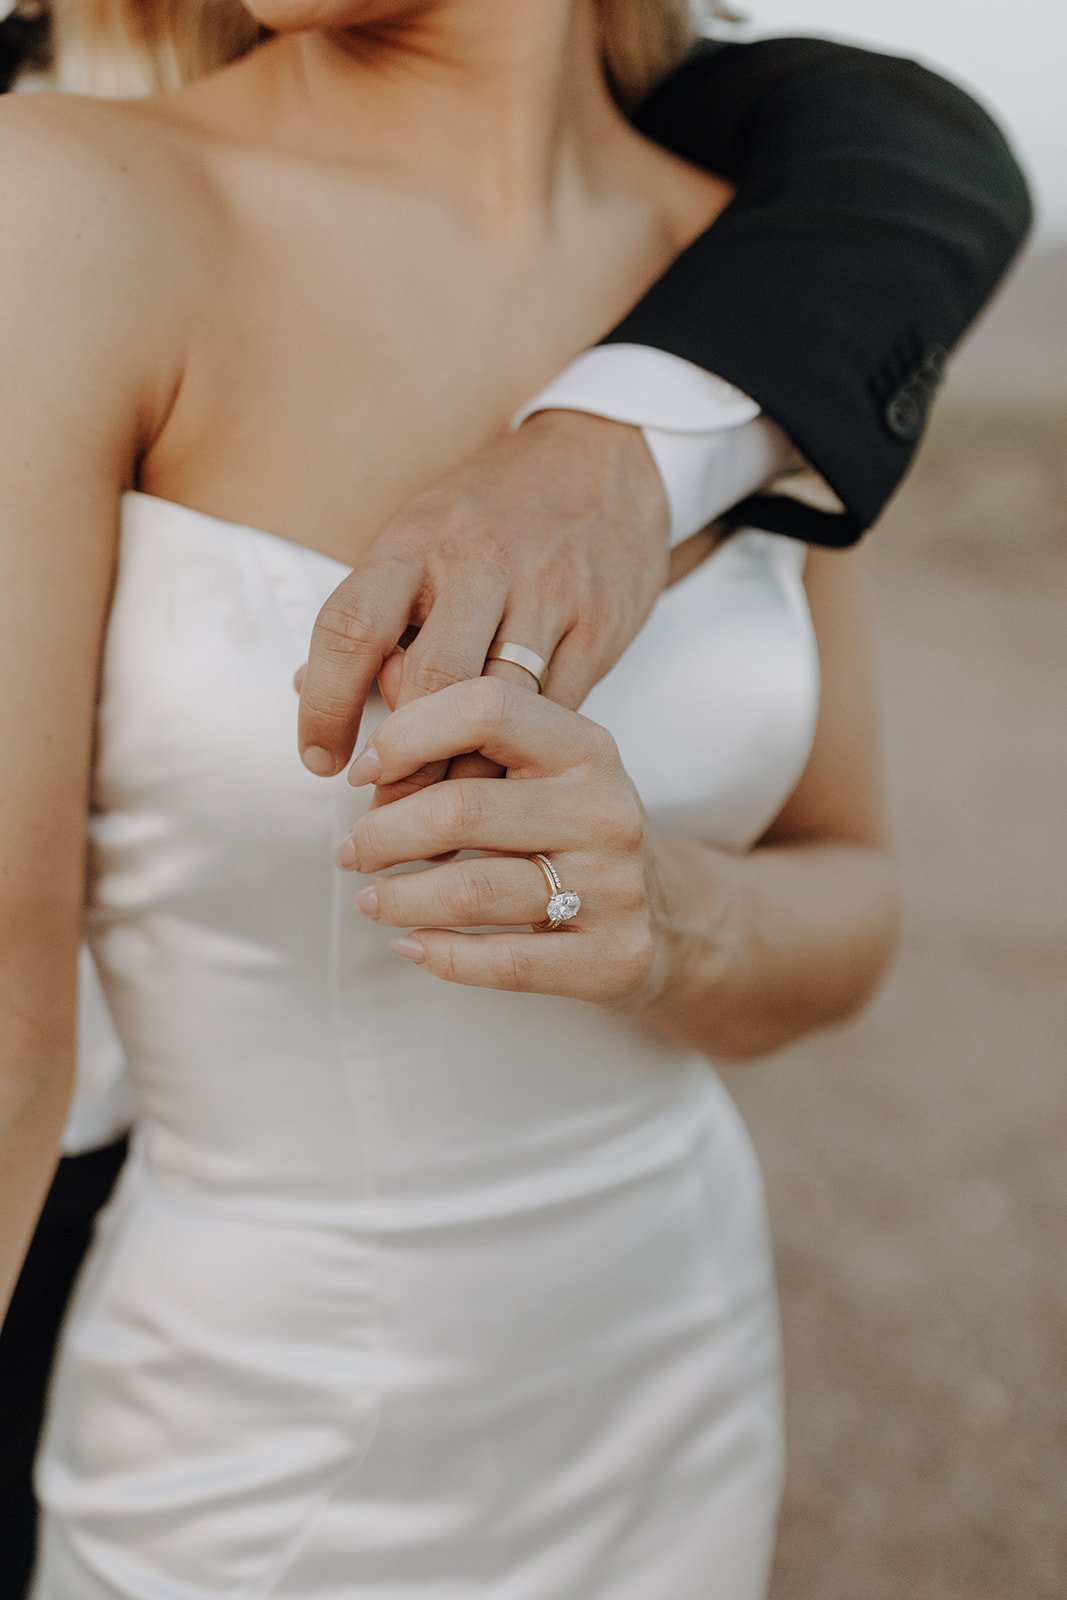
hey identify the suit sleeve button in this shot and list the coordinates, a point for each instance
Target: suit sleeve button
(906, 414)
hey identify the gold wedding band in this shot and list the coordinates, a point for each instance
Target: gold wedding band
(519, 656)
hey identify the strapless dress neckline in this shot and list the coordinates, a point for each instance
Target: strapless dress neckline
(170, 507)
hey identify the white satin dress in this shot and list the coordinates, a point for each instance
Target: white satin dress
(410, 1291)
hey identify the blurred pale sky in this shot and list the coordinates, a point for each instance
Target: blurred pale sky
(1013, 54)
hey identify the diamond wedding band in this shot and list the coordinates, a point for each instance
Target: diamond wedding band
(563, 903)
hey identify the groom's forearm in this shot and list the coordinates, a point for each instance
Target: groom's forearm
(878, 208)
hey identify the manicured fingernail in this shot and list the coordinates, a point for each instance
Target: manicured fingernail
(346, 854)
(319, 761)
(367, 901)
(366, 768)
(410, 949)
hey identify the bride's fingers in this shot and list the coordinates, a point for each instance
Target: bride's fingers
(477, 814)
(488, 891)
(467, 766)
(479, 766)
(527, 963)
(522, 731)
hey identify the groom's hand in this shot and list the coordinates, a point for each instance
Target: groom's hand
(555, 538)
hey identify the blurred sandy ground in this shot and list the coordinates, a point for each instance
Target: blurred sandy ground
(917, 1160)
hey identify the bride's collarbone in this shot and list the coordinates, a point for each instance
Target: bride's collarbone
(324, 426)
(348, 378)
(353, 339)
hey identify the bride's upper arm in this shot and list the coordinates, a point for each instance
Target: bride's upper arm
(841, 795)
(77, 381)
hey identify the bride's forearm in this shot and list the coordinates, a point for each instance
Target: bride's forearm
(38, 1027)
(757, 950)
(32, 1112)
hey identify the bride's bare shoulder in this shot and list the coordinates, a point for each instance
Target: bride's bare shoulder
(101, 179)
(104, 235)
(124, 148)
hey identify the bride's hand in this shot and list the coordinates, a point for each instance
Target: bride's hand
(567, 797)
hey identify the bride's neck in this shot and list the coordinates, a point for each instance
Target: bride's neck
(499, 105)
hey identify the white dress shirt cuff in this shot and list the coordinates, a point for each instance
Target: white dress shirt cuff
(711, 443)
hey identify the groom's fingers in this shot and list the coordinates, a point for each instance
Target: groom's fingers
(452, 643)
(356, 629)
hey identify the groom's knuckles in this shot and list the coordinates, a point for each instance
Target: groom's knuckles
(351, 623)
(341, 665)
(428, 673)
(452, 642)
(356, 629)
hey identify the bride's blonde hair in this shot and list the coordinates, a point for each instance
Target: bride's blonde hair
(129, 47)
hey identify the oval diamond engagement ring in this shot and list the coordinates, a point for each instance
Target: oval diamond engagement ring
(563, 903)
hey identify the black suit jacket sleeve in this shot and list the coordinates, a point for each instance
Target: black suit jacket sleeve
(877, 208)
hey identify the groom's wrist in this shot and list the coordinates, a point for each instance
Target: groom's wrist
(611, 453)
(711, 444)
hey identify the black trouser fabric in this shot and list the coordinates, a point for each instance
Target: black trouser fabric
(28, 1341)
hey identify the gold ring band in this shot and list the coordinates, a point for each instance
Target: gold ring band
(519, 656)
